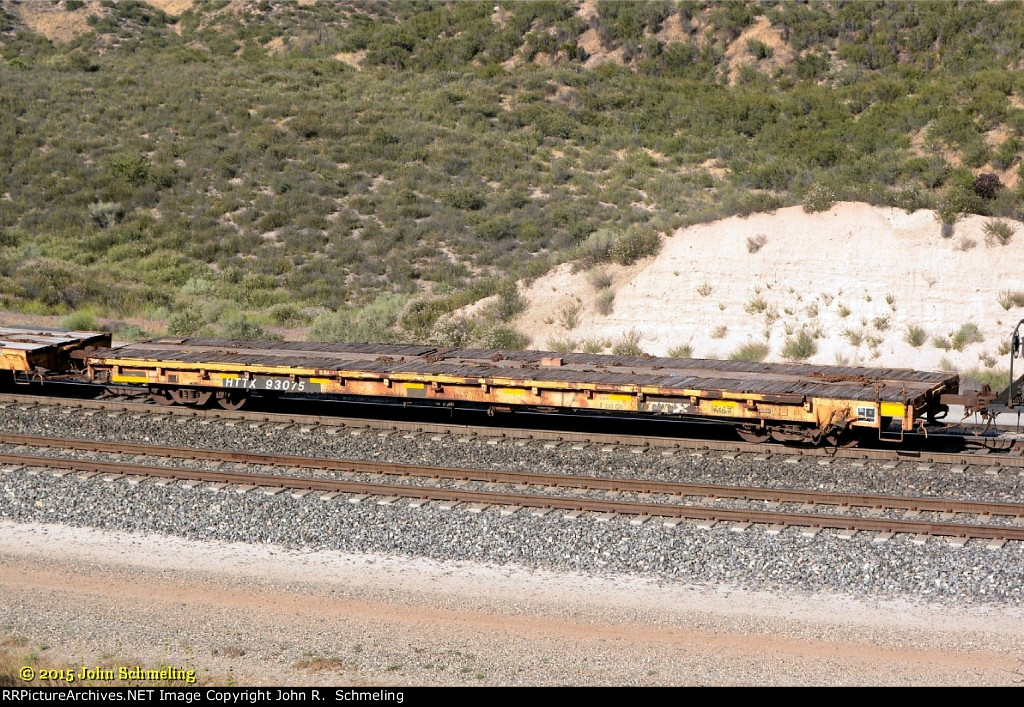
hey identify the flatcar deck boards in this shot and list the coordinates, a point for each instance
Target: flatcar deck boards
(569, 370)
(43, 349)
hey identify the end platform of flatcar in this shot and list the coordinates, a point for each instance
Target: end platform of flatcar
(40, 354)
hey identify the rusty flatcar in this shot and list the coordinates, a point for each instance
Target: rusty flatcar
(38, 354)
(785, 402)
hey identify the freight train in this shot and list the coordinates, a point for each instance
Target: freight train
(784, 402)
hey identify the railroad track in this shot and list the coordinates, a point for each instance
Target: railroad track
(677, 501)
(998, 452)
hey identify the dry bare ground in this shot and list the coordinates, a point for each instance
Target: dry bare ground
(268, 616)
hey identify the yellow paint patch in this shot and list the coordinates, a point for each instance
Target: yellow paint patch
(321, 381)
(892, 409)
(620, 397)
(415, 386)
(512, 391)
(723, 407)
(129, 379)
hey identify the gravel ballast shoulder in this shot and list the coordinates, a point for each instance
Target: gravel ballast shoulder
(754, 559)
(677, 559)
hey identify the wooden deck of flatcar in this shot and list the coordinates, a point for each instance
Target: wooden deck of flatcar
(43, 350)
(410, 362)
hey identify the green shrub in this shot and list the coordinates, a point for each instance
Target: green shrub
(598, 247)
(82, 320)
(910, 199)
(759, 49)
(106, 213)
(132, 168)
(373, 323)
(289, 315)
(799, 347)
(594, 345)
(819, 198)
(508, 304)
(130, 332)
(234, 325)
(185, 322)
(465, 198)
(503, 337)
(915, 336)
(956, 201)
(753, 352)
(628, 344)
(634, 245)
(965, 335)
(998, 379)
(681, 351)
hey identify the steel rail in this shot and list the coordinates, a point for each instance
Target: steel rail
(1011, 459)
(671, 488)
(813, 520)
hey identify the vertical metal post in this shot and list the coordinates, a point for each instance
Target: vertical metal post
(1014, 352)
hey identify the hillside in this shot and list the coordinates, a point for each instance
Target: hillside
(362, 170)
(868, 285)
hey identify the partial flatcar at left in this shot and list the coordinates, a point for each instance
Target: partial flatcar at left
(35, 354)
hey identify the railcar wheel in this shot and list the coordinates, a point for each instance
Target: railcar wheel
(161, 396)
(231, 401)
(754, 435)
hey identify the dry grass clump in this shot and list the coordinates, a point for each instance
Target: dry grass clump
(600, 279)
(561, 345)
(1011, 298)
(569, 315)
(755, 243)
(756, 305)
(998, 232)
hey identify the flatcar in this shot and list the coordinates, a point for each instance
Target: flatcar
(780, 401)
(40, 354)
(785, 402)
